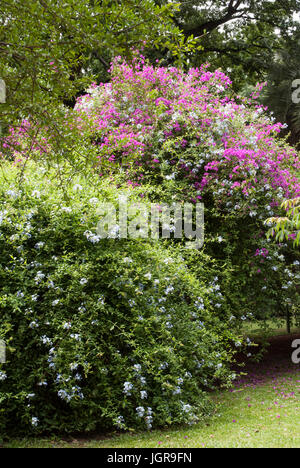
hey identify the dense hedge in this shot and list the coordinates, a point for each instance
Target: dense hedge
(100, 333)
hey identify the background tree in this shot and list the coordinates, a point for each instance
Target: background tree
(50, 51)
(240, 35)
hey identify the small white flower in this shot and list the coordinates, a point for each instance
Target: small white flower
(33, 325)
(127, 260)
(67, 325)
(127, 388)
(93, 201)
(3, 376)
(75, 336)
(140, 411)
(45, 340)
(77, 187)
(83, 281)
(66, 209)
(34, 421)
(12, 194)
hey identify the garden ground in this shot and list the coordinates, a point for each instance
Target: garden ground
(261, 411)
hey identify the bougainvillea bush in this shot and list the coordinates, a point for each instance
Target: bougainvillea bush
(100, 333)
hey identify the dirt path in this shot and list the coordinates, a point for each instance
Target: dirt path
(276, 364)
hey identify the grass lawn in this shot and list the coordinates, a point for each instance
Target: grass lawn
(263, 410)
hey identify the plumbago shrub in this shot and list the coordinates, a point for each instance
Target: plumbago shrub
(187, 135)
(100, 333)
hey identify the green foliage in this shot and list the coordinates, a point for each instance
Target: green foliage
(50, 51)
(100, 333)
(287, 228)
(239, 36)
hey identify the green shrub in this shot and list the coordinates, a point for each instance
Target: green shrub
(100, 333)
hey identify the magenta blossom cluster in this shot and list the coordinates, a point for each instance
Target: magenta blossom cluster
(152, 118)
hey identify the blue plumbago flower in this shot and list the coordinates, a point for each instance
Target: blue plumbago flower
(83, 281)
(137, 367)
(120, 422)
(3, 376)
(34, 421)
(64, 395)
(186, 408)
(143, 381)
(39, 245)
(144, 395)
(56, 302)
(93, 201)
(149, 418)
(177, 391)
(67, 325)
(12, 194)
(127, 260)
(127, 388)
(163, 366)
(140, 411)
(43, 383)
(75, 336)
(33, 324)
(169, 289)
(66, 209)
(101, 300)
(45, 340)
(39, 277)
